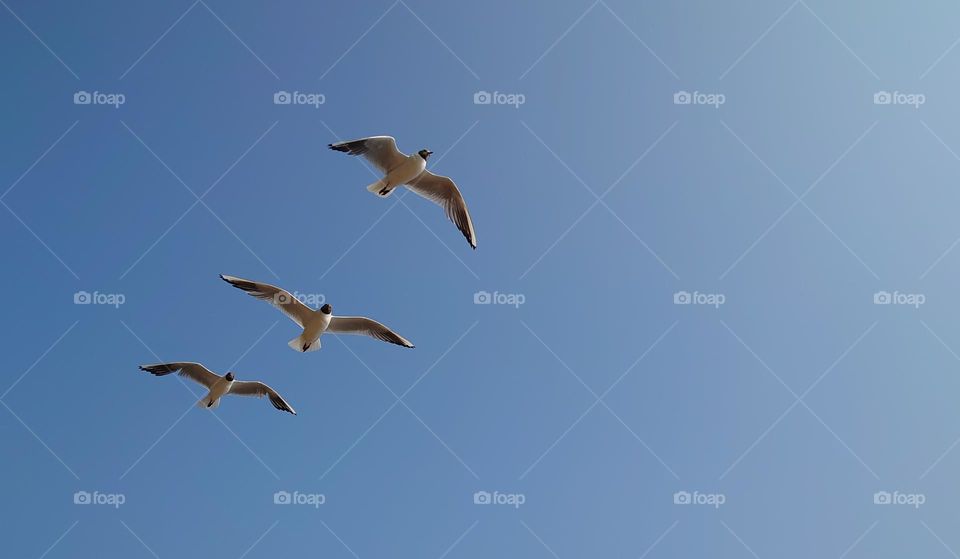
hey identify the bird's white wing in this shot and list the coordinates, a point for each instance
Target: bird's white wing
(380, 150)
(366, 327)
(280, 298)
(193, 371)
(259, 389)
(442, 191)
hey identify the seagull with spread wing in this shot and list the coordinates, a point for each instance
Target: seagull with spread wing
(400, 169)
(218, 386)
(315, 322)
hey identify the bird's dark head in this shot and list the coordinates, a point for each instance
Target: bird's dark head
(425, 153)
(326, 309)
(229, 376)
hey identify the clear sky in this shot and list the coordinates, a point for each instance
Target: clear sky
(787, 169)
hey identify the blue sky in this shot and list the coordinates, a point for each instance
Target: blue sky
(728, 230)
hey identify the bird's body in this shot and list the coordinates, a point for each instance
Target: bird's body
(313, 328)
(411, 171)
(315, 322)
(218, 386)
(218, 390)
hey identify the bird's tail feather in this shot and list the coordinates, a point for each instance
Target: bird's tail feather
(298, 343)
(205, 403)
(378, 189)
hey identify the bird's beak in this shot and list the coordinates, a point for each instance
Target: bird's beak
(429, 152)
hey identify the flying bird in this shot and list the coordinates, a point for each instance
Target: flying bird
(400, 169)
(315, 322)
(218, 386)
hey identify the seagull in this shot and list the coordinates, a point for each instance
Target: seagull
(218, 386)
(315, 322)
(400, 169)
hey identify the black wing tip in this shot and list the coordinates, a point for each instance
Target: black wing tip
(282, 406)
(468, 237)
(396, 339)
(352, 147)
(156, 370)
(241, 284)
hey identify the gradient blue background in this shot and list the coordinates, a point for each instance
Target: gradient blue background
(702, 411)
